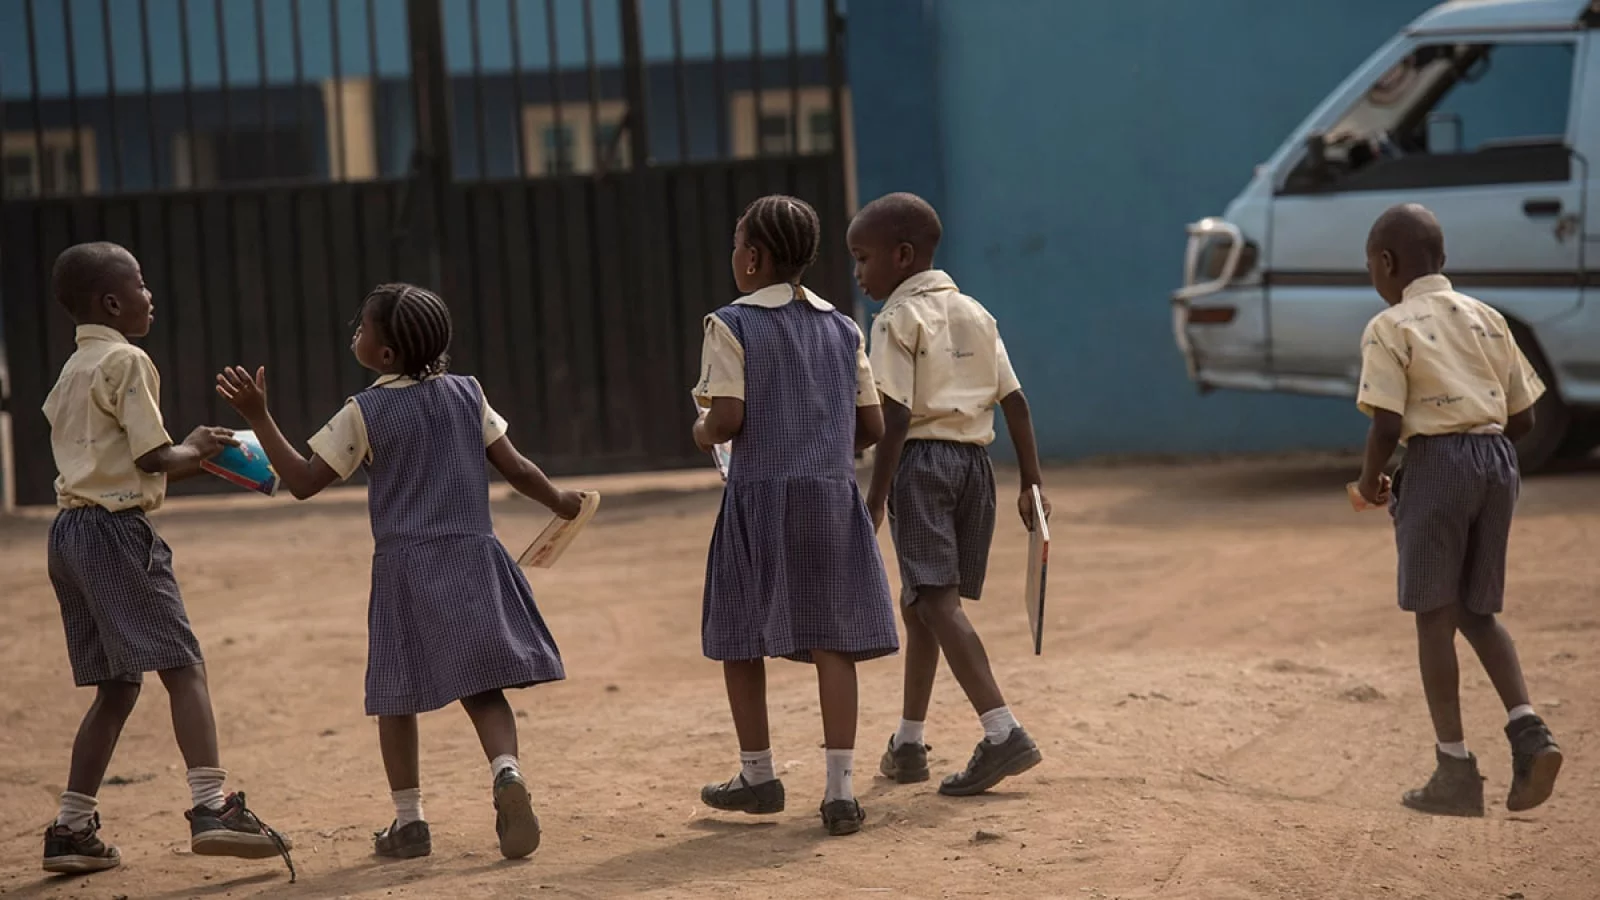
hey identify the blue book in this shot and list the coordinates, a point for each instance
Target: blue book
(245, 465)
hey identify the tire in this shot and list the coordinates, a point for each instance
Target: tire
(1552, 420)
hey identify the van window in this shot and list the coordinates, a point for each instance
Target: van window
(1450, 115)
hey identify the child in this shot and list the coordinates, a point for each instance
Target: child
(451, 616)
(794, 570)
(112, 573)
(1441, 373)
(941, 367)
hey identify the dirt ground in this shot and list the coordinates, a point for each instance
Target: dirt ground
(1227, 701)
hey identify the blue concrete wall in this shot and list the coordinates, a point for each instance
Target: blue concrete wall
(1067, 144)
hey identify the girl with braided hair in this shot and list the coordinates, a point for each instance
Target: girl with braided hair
(794, 570)
(451, 617)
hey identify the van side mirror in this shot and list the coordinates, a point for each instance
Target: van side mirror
(1317, 155)
(1444, 133)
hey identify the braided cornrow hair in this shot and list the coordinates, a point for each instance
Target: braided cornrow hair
(788, 229)
(415, 323)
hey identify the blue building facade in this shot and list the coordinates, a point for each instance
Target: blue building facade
(1066, 146)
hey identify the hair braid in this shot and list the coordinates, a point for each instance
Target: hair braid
(788, 229)
(415, 323)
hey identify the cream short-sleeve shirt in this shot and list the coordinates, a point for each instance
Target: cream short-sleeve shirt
(722, 356)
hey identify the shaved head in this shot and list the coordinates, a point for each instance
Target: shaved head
(84, 273)
(1410, 233)
(900, 218)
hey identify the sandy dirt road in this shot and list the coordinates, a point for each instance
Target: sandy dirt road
(1227, 701)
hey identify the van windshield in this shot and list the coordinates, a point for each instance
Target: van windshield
(1445, 99)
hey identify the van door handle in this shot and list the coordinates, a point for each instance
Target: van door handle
(1541, 208)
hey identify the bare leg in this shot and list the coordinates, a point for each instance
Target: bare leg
(1492, 643)
(192, 721)
(98, 735)
(836, 689)
(747, 699)
(496, 723)
(397, 739)
(1441, 679)
(940, 610)
(922, 665)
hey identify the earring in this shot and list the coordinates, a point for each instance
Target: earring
(751, 270)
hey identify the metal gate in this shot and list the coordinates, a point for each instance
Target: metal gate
(566, 172)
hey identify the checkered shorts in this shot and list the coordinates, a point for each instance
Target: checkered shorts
(119, 600)
(1453, 500)
(941, 514)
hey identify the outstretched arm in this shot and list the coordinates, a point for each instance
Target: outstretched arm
(180, 461)
(305, 478)
(530, 481)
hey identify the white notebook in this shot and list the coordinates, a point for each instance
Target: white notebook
(553, 541)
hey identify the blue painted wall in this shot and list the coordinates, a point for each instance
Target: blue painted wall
(1067, 145)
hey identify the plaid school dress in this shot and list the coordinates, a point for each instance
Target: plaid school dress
(794, 563)
(451, 614)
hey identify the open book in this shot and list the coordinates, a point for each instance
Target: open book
(553, 541)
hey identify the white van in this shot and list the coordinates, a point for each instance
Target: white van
(1488, 113)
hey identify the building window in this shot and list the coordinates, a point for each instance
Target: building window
(241, 156)
(770, 132)
(50, 163)
(578, 145)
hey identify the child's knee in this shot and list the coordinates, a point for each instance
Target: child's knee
(117, 697)
(185, 678)
(1475, 625)
(486, 700)
(937, 606)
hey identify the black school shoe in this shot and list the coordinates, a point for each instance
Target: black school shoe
(514, 819)
(1456, 788)
(842, 817)
(738, 795)
(407, 841)
(1535, 762)
(68, 852)
(993, 763)
(235, 831)
(905, 764)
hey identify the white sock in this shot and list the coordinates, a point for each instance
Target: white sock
(1457, 749)
(756, 766)
(501, 763)
(407, 806)
(76, 811)
(910, 733)
(998, 724)
(841, 766)
(1518, 712)
(205, 786)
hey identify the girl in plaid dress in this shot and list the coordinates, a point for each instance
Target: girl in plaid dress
(451, 616)
(794, 569)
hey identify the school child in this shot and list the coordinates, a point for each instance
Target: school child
(794, 569)
(1442, 373)
(451, 617)
(941, 368)
(120, 604)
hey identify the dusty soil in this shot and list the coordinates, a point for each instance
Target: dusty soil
(1227, 702)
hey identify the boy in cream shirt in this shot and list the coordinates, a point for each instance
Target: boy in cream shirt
(1441, 372)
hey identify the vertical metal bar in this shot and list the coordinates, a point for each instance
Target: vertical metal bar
(149, 99)
(719, 80)
(680, 81)
(188, 95)
(553, 47)
(227, 95)
(269, 157)
(517, 137)
(300, 78)
(634, 85)
(338, 106)
(115, 142)
(594, 87)
(755, 71)
(39, 159)
(430, 90)
(794, 80)
(833, 28)
(72, 91)
(380, 106)
(479, 138)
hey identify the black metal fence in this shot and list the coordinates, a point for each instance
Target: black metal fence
(574, 206)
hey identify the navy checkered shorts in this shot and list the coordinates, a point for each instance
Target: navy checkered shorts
(1453, 500)
(119, 600)
(941, 514)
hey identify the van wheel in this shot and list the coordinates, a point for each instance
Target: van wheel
(1583, 436)
(1551, 419)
